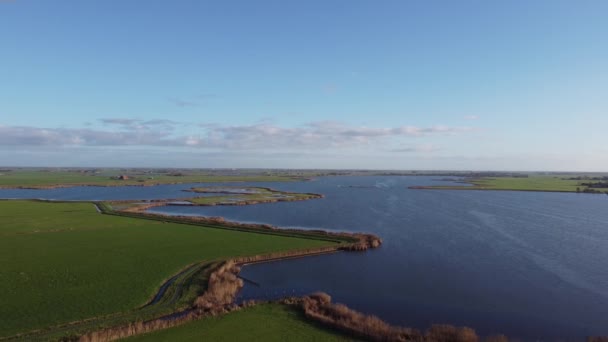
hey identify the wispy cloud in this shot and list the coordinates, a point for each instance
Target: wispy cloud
(261, 136)
(118, 121)
(28, 136)
(471, 117)
(417, 149)
(324, 134)
(138, 124)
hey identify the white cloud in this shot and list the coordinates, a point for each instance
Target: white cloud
(427, 148)
(260, 136)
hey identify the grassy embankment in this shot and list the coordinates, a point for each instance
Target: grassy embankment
(65, 262)
(246, 195)
(264, 322)
(553, 183)
(217, 196)
(45, 178)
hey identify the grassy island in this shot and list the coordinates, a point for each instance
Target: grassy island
(247, 195)
(225, 195)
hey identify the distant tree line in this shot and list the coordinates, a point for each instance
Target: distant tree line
(596, 185)
(603, 178)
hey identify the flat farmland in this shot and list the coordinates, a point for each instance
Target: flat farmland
(64, 262)
(109, 177)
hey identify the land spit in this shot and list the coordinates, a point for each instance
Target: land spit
(224, 285)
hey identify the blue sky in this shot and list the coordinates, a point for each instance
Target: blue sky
(484, 85)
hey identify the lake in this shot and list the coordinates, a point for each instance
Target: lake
(530, 265)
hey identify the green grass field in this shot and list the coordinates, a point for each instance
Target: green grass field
(532, 183)
(265, 322)
(63, 262)
(106, 177)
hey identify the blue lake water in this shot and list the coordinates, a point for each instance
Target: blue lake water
(527, 264)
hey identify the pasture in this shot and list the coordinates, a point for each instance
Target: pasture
(264, 322)
(48, 178)
(64, 262)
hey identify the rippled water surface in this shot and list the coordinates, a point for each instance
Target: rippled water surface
(527, 264)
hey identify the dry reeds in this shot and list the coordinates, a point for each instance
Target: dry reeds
(319, 308)
(224, 284)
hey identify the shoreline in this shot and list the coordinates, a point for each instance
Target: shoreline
(345, 240)
(288, 257)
